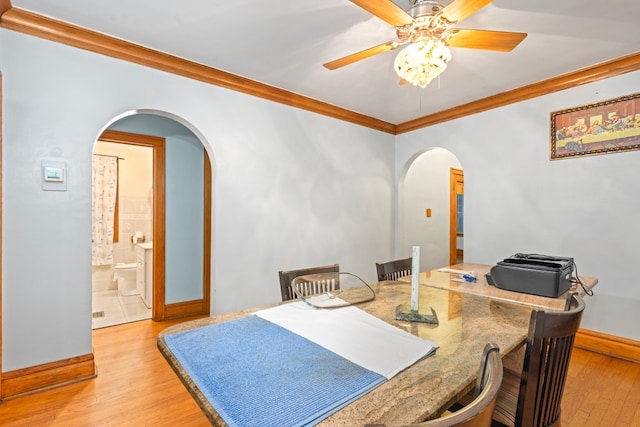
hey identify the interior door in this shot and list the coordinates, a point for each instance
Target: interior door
(456, 216)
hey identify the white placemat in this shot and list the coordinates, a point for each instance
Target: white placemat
(353, 334)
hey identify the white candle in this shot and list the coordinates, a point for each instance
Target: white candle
(415, 275)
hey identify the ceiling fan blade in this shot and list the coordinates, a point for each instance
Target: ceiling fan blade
(385, 10)
(460, 9)
(501, 41)
(350, 59)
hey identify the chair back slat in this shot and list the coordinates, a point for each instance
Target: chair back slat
(546, 362)
(308, 287)
(315, 287)
(393, 270)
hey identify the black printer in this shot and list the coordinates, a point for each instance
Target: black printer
(548, 276)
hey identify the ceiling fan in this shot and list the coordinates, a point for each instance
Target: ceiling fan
(428, 28)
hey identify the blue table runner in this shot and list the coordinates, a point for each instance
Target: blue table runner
(256, 373)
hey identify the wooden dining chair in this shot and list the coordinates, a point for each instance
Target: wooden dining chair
(310, 287)
(478, 413)
(532, 398)
(393, 270)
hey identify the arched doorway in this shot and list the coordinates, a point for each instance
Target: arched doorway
(424, 207)
(177, 240)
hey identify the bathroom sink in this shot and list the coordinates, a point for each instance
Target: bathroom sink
(148, 245)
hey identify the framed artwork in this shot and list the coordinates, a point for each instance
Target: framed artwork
(605, 127)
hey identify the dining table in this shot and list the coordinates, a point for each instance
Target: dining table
(422, 391)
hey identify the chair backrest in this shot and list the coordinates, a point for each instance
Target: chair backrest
(392, 270)
(479, 412)
(546, 362)
(311, 287)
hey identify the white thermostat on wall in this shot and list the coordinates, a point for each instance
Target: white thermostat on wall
(54, 175)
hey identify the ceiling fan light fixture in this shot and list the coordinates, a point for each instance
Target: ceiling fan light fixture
(422, 61)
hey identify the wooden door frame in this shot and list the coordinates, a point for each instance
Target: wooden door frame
(455, 176)
(160, 310)
(1, 209)
(157, 144)
(203, 305)
(206, 230)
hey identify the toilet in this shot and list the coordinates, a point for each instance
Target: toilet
(125, 275)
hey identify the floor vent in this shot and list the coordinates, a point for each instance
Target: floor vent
(97, 314)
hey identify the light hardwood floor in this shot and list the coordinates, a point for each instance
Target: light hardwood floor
(601, 391)
(136, 387)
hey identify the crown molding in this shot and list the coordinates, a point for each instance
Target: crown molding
(26, 22)
(583, 76)
(4, 6)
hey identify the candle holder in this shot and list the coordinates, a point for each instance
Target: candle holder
(412, 313)
(404, 312)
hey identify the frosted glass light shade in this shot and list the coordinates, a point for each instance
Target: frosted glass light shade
(422, 61)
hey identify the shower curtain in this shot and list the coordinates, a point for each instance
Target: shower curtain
(104, 192)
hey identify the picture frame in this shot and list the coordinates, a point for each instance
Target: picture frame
(609, 126)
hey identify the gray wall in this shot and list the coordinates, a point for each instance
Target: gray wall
(290, 189)
(517, 200)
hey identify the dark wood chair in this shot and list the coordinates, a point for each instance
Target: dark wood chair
(392, 270)
(478, 413)
(532, 398)
(310, 287)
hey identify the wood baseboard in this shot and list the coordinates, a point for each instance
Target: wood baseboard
(610, 345)
(186, 308)
(49, 375)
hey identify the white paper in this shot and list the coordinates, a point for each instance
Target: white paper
(353, 334)
(452, 271)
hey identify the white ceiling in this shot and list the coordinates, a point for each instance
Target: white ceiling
(284, 43)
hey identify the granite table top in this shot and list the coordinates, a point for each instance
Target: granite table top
(443, 280)
(424, 390)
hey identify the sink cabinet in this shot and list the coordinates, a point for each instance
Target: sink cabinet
(144, 276)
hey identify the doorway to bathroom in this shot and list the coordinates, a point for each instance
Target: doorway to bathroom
(174, 257)
(123, 227)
